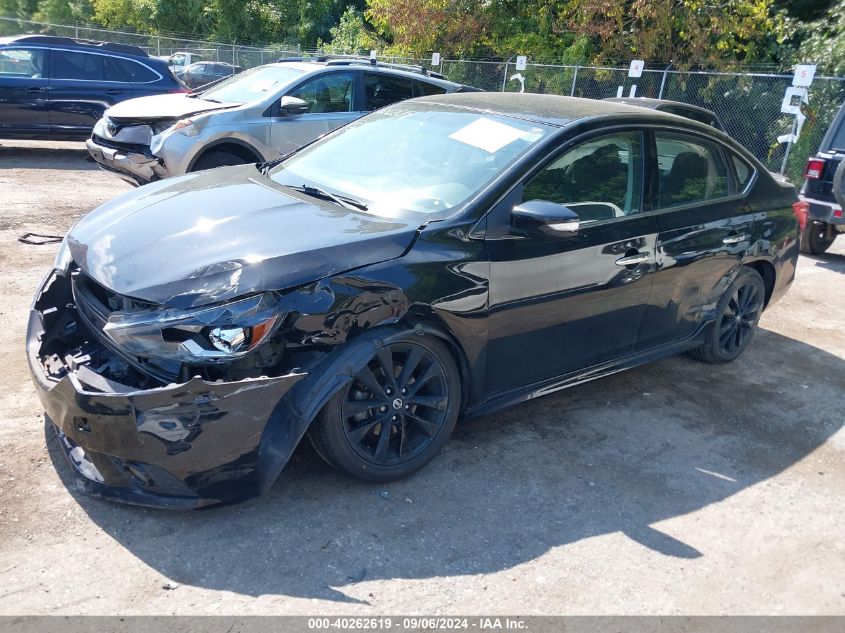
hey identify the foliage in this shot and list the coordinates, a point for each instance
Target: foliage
(352, 34)
(684, 32)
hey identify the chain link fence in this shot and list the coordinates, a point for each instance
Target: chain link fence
(748, 103)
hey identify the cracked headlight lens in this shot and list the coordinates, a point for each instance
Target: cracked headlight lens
(218, 333)
(63, 258)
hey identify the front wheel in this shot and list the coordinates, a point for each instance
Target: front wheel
(218, 158)
(814, 238)
(739, 312)
(396, 413)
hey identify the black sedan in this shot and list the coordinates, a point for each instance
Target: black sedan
(443, 257)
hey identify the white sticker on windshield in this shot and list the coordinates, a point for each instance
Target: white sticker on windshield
(487, 134)
(262, 86)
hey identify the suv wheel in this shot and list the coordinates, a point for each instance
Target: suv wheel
(814, 238)
(396, 413)
(739, 312)
(218, 158)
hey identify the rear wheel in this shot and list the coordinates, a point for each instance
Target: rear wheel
(814, 238)
(218, 158)
(739, 312)
(396, 413)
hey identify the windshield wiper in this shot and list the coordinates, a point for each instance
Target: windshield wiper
(344, 201)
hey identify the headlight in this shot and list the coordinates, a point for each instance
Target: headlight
(185, 127)
(63, 258)
(217, 333)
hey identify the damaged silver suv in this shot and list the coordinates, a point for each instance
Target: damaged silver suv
(258, 115)
(444, 256)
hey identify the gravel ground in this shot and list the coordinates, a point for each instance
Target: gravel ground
(676, 487)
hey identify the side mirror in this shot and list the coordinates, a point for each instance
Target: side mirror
(547, 218)
(292, 105)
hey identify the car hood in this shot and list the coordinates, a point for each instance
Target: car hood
(219, 234)
(157, 107)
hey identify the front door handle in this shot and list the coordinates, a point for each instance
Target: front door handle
(35, 89)
(735, 239)
(113, 91)
(633, 260)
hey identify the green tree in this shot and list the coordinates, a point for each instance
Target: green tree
(352, 34)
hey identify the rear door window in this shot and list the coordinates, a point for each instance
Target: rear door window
(426, 89)
(133, 71)
(81, 66)
(381, 90)
(690, 171)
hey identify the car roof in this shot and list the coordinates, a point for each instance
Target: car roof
(656, 104)
(311, 66)
(77, 44)
(549, 109)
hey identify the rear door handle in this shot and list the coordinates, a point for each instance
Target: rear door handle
(631, 260)
(113, 91)
(735, 239)
(35, 89)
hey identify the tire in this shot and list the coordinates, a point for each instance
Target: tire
(814, 240)
(416, 401)
(218, 158)
(739, 313)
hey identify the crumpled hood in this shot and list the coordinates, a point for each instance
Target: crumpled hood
(219, 234)
(156, 107)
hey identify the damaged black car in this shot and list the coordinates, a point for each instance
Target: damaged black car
(443, 257)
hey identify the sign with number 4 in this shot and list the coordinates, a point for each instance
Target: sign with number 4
(521, 62)
(435, 59)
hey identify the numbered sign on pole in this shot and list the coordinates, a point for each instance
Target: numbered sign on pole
(521, 62)
(435, 59)
(804, 74)
(636, 68)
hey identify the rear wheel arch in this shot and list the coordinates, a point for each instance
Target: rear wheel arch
(766, 270)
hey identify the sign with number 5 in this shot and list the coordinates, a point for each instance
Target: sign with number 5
(804, 74)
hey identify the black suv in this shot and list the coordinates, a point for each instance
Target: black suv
(826, 219)
(57, 88)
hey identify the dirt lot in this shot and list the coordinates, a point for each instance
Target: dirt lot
(673, 488)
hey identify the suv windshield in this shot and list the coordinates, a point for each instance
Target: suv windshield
(252, 84)
(411, 157)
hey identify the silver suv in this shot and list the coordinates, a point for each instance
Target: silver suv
(256, 116)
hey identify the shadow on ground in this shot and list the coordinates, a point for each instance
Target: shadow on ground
(45, 157)
(615, 455)
(830, 261)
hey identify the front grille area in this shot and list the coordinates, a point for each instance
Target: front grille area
(126, 147)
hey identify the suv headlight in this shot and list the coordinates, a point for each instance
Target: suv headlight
(185, 127)
(219, 333)
(63, 258)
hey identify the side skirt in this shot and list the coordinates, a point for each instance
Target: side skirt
(572, 379)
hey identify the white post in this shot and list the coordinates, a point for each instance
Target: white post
(574, 79)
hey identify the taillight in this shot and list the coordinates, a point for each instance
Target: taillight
(801, 210)
(815, 167)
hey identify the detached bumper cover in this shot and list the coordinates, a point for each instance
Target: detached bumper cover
(178, 446)
(136, 167)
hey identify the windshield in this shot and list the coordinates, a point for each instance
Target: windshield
(252, 84)
(410, 157)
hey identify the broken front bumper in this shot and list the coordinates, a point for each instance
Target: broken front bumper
(134, 167)
(179, 446)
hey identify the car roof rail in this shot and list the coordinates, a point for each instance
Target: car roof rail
(349, 61)
(69, 41)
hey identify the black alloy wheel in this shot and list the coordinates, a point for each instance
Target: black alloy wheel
(395, 414)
